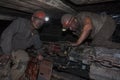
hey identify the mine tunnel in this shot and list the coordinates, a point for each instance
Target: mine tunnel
(59, 40)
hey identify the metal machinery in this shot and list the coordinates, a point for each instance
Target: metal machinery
(85, 61)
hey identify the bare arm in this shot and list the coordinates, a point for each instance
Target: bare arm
(85, 32)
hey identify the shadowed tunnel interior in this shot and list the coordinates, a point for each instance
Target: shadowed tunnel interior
(84, 62)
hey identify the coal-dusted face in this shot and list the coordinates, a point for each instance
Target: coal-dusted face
(37, 22)
(72, 24)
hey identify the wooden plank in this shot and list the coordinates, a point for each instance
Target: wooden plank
(45, 69)
(6, 17)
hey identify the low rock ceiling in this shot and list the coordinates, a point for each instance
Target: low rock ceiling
(79, 2)
(109, 6)
(55, 8)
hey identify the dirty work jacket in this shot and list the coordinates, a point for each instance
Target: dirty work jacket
(18, 35)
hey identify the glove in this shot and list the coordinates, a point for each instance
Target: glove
(74, 44)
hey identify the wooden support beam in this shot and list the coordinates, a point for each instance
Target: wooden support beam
(6, 17)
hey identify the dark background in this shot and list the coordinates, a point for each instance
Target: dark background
(52, 31)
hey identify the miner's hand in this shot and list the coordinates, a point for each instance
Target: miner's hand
(39, 57)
